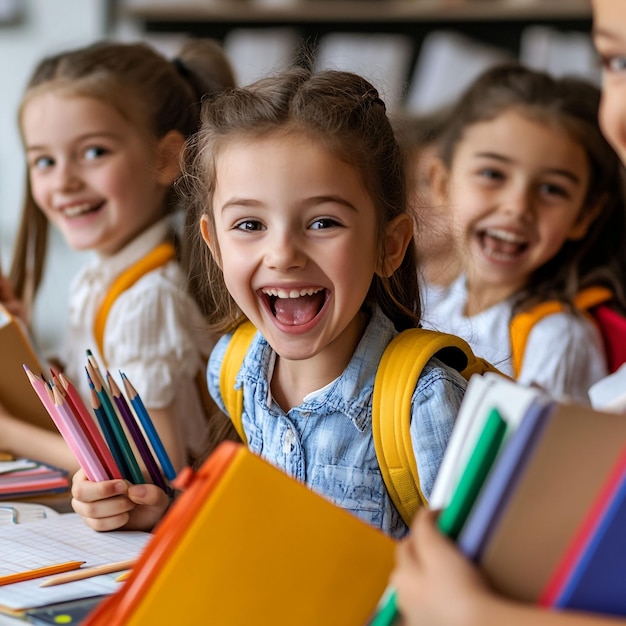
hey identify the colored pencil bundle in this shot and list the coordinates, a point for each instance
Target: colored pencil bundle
(100, 438)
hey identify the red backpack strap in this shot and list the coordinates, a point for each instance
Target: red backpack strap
(611, 323)
(157, 257)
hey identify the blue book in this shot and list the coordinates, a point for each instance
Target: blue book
(597, 581)
(500, 484)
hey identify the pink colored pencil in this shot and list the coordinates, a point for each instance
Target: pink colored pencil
(66, 423)
(88, 424)
(78, 440)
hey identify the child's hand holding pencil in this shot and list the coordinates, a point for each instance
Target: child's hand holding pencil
(109, 491)
(115, 504)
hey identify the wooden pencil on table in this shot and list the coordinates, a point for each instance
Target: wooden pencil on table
(89, 572)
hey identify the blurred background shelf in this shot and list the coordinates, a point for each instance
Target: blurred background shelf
(355, 10)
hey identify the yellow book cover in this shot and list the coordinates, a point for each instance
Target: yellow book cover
(247, 544)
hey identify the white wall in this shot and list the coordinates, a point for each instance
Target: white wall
(46, 27)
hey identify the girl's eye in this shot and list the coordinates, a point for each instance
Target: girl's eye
(323, 223)
(94, 152)
(43, 162)
(551, 189)
(614, 63)
(491, 174)
(249, 225)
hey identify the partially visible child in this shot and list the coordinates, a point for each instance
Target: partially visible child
(103, 127)
(537, 200)
(418, 135)
(429, 570)
(300, 197)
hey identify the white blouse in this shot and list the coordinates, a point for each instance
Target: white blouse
(564, 352)
(154, 333)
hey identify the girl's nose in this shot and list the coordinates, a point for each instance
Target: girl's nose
(67, 176)
(518, 202)
(283, 252)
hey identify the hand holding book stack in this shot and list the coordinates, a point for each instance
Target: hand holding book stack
(101, 438)
(533, 491)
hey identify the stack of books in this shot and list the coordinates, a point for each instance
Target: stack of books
(24, 477)
(534, 492)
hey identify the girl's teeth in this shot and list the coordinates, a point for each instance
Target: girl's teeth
(504, 235)
(76, 210)
(290, 293)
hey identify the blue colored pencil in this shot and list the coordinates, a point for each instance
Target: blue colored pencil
(135, 432)
(149, 429)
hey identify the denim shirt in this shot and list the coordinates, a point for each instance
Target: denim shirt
(326, 442)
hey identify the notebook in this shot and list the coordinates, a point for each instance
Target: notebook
(501, 483)
(484, 393)
(26, 477)
(576, 452)
(16, 394)
(59, 539)
(452, 519)
(247, 544)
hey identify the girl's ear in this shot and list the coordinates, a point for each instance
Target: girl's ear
(169, 151)
(579, 230)
(206, 235)
(398, 235)
(438, 177)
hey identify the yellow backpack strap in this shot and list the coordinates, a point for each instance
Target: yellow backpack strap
(231, 364)
(591, 297)
(520, 328)
(155, 258)
(523, 322)
(396, 378)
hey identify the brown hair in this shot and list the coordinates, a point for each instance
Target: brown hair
(144, 87)
(571, 103)
(344, 113)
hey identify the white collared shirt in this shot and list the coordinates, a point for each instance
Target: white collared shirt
(154, 333)
(564, 352)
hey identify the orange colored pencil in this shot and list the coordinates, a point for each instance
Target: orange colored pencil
(48, 570)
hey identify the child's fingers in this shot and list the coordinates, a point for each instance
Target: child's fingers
(87, 491)
(152, 503)
(148, 494)
(107, 514)
(102, 505)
